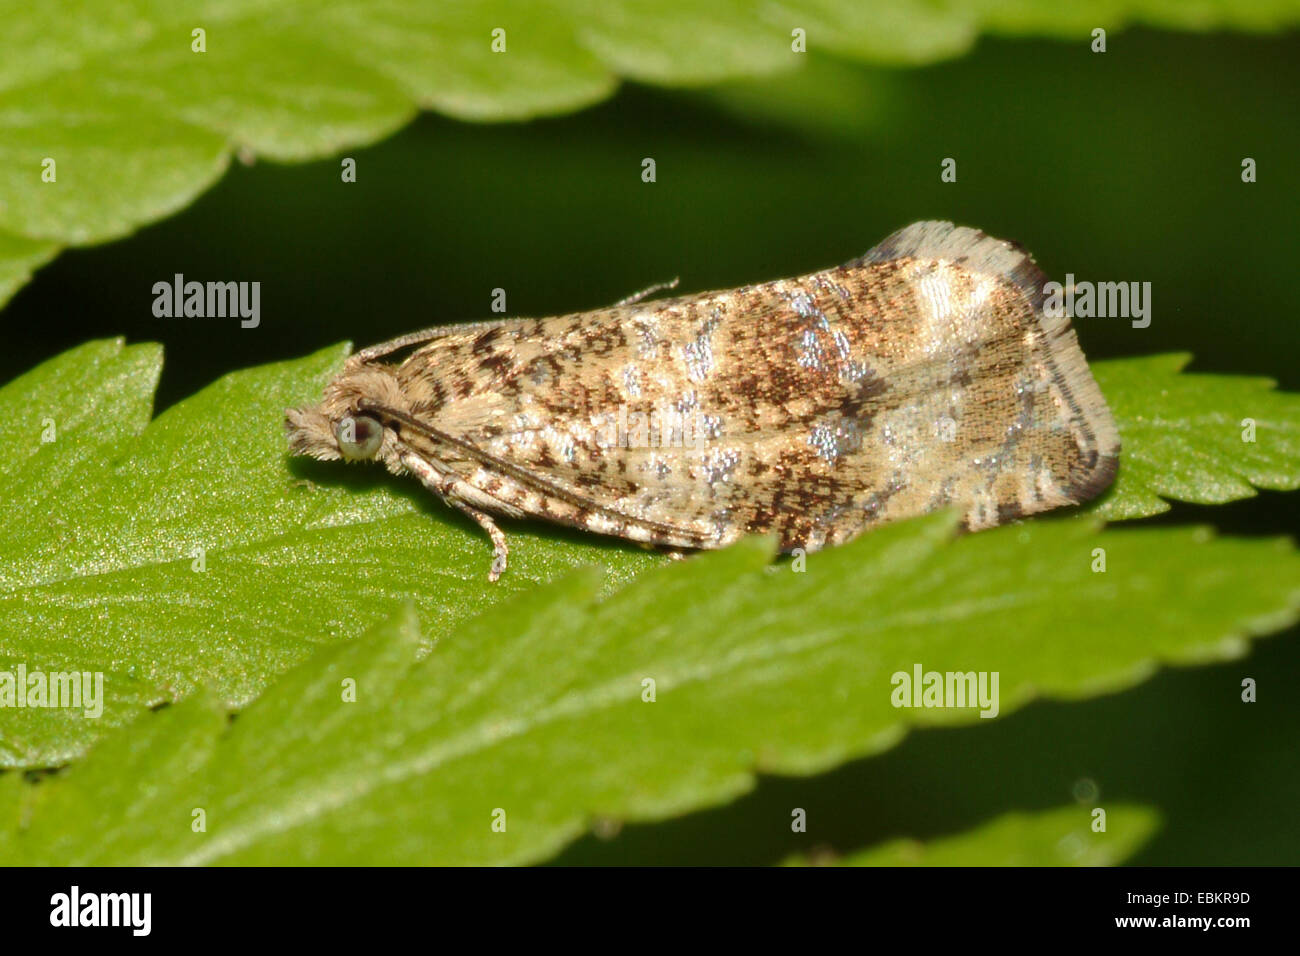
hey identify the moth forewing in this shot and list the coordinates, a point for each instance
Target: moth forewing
(924, 374)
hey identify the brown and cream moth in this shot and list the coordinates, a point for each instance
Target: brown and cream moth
(926, 373)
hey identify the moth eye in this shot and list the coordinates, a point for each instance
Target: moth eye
(359, 437)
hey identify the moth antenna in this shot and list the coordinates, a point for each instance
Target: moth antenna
(649, 290)
(418, 338)
(438, 331)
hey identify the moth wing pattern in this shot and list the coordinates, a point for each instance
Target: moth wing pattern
(923, 374)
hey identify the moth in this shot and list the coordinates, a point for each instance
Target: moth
(924, 374)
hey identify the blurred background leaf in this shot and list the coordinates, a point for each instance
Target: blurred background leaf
(1061, 837)
(1121, 166)
(113, 118)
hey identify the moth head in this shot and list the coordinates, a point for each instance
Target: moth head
(336, 428)
(353, 436)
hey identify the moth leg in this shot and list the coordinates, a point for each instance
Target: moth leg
(650, 290)
(500, 553)
(447, 487)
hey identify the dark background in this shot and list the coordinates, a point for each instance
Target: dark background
(1123, 166)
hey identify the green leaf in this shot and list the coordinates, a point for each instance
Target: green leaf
(137, 123)
(1206, 439)
(190, 551)
(1058, 837)
(539, 708)
(108, 520)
